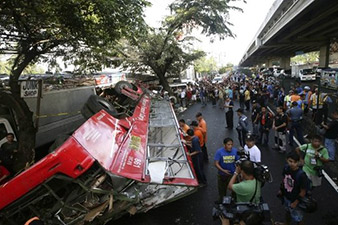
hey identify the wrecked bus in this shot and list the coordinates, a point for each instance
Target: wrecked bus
(126, 158)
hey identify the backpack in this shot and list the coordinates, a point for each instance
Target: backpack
(307, 203)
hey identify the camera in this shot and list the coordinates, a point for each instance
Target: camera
(319, 170)
(250, 213)
(261, 172)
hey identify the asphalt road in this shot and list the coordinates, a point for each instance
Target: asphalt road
(196, 208)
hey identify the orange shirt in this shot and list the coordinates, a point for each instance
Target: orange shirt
(203, 125)
(295, 98)
(185, 128)
(198, 133)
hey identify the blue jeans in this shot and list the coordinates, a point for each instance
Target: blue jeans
(296, 213)
(330, 144)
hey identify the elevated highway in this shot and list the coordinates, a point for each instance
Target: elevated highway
(294, 27)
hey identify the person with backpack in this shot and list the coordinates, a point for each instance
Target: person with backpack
(293, 188)
(315, 155)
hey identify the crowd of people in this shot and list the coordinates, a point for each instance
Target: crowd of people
(271, 111)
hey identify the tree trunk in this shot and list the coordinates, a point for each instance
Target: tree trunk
(24, 117)
(164, 83)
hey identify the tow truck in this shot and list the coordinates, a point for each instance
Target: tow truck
(127, 157)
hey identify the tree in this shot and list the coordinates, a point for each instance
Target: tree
(226, 68)
(5, 67)
(307, 58)
(76, 29)
(205, 65)
(166, 50)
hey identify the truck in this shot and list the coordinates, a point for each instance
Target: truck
(59, 113)
(303, 73)
(127, 157)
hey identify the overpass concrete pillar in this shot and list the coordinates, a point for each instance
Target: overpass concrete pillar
(285, 63)
(324, 55)
(268, 63)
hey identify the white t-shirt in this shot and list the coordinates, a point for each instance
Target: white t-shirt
(254, 152)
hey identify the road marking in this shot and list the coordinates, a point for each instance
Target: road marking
(327, 177)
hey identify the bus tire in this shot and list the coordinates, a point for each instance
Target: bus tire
(96, 104)
(122, 84)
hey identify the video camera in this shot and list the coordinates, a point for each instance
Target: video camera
(250, 213)
(261, 173)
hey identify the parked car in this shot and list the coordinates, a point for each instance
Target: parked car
(217, 80)
(307, 75)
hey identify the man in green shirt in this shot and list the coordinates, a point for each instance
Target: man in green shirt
(315, 155)
(249, 189)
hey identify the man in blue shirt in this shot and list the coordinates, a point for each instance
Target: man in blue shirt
(296, 116)
(225, 159)
(195, 153)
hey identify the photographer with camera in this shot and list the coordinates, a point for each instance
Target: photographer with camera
(248, 192)
(315, 155)
(249, 189)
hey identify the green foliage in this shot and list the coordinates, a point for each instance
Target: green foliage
(205, 65)
(5, 67)
(80, 31)
(210, 15)
(72, 29)
(167, 52)
(226, 68)
(306, 58)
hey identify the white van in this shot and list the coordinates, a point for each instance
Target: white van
(307, 74)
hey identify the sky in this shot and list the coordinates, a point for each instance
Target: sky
(245, 26)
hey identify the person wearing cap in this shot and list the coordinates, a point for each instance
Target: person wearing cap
(242, 127)
(295, 115)
(252, 150)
